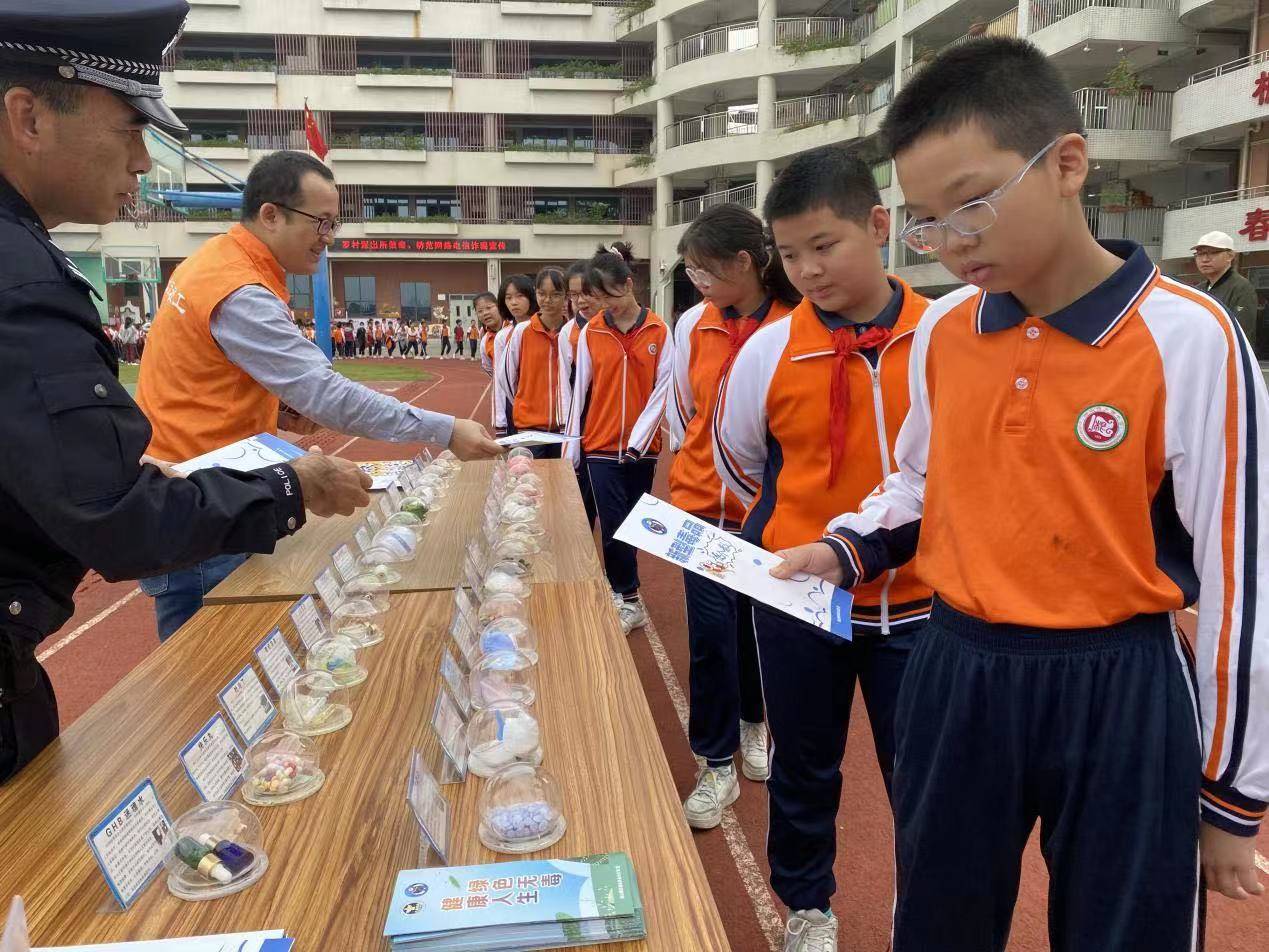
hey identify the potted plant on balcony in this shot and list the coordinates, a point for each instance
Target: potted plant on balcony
(1124, 85)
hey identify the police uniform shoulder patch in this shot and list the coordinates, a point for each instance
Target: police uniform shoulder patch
(1101, 426)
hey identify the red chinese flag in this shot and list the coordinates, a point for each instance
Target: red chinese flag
(314, 134)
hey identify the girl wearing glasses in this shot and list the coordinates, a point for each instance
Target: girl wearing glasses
(622, 378)
(581, 308)
(530, 393)
(737, 272)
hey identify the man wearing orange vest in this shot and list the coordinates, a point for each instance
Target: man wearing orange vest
(223, 355)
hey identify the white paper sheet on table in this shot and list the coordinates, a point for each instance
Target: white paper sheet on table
(273, 940)
(533, 438)
(255, 452)
(669, 533)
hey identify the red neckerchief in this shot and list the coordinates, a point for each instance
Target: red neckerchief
(846, 341)
(739, 330)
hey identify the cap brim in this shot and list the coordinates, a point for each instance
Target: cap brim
(159, 113)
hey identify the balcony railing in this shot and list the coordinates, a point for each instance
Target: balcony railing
(1102, 109)
(714, 125)
(1233, 66)
(1220, 198)
(1142, 225)
(806, 34)
(806, 111)
(688, 209)
(1004, 25)
(722, 39)
(405, 141)
(866, 24)
(1048, 12)
(881, 174)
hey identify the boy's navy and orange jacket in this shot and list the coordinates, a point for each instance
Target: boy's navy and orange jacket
(772, 439)
(529, 391)
(1074, 471)
(705, 343)
(621, 382)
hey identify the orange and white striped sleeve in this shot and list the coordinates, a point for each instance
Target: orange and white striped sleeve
(740, 413)
(1216, 433)
(682, 402)
(578, 398)
(648, 423)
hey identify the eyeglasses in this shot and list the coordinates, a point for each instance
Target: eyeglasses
(972, 218)
(551, 296)
(699, 277)
(325, 226)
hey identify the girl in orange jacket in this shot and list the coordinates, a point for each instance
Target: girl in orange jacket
(529, 391)
(624, 365)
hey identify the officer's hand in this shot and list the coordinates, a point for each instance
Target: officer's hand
(470, 440)
(1229, 863)
(163, 465)
(817, 558)
(331, 485)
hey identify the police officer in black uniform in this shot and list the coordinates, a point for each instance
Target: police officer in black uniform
(79, 81)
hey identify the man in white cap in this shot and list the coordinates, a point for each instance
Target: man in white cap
(1214, 255)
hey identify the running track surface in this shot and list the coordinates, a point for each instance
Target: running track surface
(113, 629)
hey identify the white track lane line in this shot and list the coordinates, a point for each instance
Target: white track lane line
(1262, 863)
(100, 616)
(763, 905)
(484, 393)
(440, 379)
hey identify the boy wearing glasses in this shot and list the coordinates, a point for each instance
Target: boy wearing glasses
(803, 428)
(1085, 455)
(224, 357)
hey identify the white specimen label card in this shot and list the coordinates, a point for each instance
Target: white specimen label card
(247, 704)
(457, 683)
(363, 536)
(668, 533)
(213, 760)
(394, 496)
(129, 843)
(308, 621)
(385, 506)
(429, 805)
(372, 518)
(346, 560)
(447, 722)
(279, 664)
(327, 585)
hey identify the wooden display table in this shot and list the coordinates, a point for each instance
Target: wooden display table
(289, 572)
(334, 857)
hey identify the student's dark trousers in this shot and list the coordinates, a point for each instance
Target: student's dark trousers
(808, 683)
(1090, 731)
(616, 488)
(724, 684)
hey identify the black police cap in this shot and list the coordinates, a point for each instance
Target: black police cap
(116, 44)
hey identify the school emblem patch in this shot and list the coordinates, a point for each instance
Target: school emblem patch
(1101, 427)
(652, 349)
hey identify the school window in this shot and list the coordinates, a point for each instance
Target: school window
(359, 296)
(301, 288)
(386, 206)
(416, 300)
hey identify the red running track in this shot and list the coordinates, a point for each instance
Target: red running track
(104, 650)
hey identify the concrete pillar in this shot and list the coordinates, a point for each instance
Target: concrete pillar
(766, 103)
(665, 36)
(493, 274)
(1024, 18)
(663, 253)
(665, 119)
(765, 175)
(766, 23)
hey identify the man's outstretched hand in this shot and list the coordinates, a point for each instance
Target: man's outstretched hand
(470, 440)
(331, 485)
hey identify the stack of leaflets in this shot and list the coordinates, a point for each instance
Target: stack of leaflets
(530, 904)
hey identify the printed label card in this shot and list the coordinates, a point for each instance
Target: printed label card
(275, 657)
(429, 806)
(327, 585)
(129, 844)
(447, 723)
(456, 682)
(213, 760)
(247, 704)
(346, 560)
(308, 621)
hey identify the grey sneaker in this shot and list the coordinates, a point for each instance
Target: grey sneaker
(632, 615)
(716, 789)
(754, 762)
(809, 930)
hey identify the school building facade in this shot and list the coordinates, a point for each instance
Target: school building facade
(477, 138)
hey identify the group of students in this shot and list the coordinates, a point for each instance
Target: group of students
(128, 340)
(393, 338)
(1020, 482)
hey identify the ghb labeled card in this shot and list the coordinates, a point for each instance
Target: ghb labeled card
(213, 760)
(129, 844)
(669, 533)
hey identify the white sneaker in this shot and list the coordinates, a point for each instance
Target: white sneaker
(753, 751)
(632, 615)
(716, 789)
(809, 930)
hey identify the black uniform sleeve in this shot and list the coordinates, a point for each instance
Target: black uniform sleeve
(72, 441)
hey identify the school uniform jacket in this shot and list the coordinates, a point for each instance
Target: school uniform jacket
(1108, 460)
(530, 393)
(702, 347)
(771, 441)
(487, 352)
(568, 347)
(620, 389)
(498, 349)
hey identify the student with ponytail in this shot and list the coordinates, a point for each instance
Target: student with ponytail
(732, 265)
(581, 308)
(530, 390)
(517, 301)
(622, 378)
